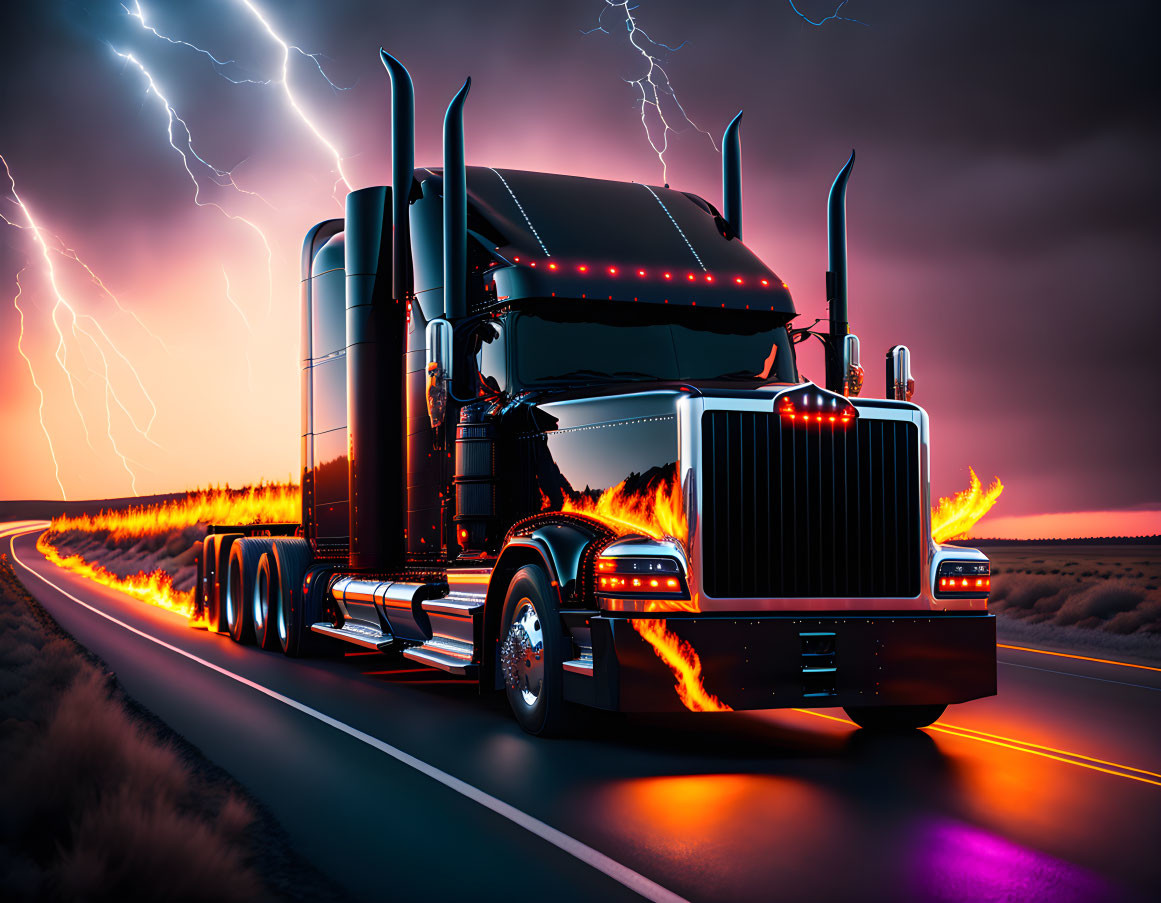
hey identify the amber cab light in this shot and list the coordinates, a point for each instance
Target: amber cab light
(815, 408)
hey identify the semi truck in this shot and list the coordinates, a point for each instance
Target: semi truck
(547, 419)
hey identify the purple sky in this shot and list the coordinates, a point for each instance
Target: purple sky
(1003, 210)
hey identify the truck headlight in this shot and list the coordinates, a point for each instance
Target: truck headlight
(963, 578)
(623, 576)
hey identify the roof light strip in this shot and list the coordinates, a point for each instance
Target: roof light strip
(675, 226)
(520, 207)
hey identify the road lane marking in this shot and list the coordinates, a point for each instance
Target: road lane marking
(1105, 680)
(622, 874)
(1034, 749)
(1083, 658)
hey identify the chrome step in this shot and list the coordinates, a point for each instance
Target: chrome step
(452, 656)
(582, 664)
(359, 634)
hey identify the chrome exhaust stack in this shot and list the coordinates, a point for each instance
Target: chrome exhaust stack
(732, 175)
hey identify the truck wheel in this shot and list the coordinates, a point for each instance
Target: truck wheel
(265, 604)
(216, 552)
(532, 647)
(894, 717)
(240, 584)
(198, 614)
(291, 558)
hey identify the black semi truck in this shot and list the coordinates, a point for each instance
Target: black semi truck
(541, 413)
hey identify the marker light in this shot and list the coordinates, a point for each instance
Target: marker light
(963, 578)
(582, 268)
(739, 280)
(640, 272)
(765, 281)
(805, 406)
(552, 266)
(640, 577)
(612, 271)
(668, 276)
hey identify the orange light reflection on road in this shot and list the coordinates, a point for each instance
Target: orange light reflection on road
(1035, 749)
(1083, 658)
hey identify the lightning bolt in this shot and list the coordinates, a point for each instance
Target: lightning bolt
(653, 85)
(246, 322)
(35, 383)
(95, 335)
(834, 16)
(138, 13)
(185, 150)
(284, 82)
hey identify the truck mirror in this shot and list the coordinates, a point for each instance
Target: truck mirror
(900, 384)
(439, 369)
(852, 368)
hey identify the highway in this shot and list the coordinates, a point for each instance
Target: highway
(401, 783)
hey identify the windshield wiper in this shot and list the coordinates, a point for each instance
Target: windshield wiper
(596, 374)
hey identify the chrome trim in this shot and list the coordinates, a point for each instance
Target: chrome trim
(689, 414)
(640, 547)
(942, 553)
(582, 664)
(446, 655)
(359, 634)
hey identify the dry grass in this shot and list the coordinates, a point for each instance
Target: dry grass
(103, 802)
(96, 805)
(1116, 589)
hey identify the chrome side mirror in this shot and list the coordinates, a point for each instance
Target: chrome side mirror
(439, 369)
(900, 384)
(852, 369)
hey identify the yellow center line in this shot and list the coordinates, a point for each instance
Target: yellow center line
(1034, 749)
(1083, 658)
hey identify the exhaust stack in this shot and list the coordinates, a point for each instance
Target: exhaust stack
(402, 172)
(455, 209)
(836, 278)
(732, 175)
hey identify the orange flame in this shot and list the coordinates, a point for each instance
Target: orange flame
(953, 518)
(658, 513)
(156, 587)
(683, 661)
(266, 503)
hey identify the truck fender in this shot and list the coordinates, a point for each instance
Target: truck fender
(558, 545)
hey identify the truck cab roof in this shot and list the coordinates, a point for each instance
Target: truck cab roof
(562, 236)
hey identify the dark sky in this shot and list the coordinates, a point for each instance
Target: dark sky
(1004, 209)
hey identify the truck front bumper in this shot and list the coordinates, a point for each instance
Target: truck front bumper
(794, 660)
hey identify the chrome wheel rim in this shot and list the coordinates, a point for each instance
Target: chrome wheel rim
(522, 654)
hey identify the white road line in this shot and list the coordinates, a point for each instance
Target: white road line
(622, 874)
(1104, 680)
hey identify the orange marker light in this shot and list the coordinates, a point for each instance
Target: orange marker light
(612, 271)
(582, 268)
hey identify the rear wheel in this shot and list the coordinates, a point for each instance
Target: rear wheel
(290, 560)
(240, 587)
(216, 556)
(198, 615)
(532, 645)
(894, 717)
(265, 603)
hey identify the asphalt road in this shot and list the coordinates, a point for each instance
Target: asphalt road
(403, 784)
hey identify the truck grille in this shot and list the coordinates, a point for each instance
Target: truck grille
(792, 510)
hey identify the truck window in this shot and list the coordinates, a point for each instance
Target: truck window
(491, 357)
(621, 343)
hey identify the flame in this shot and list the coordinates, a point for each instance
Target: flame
(683, 661)
(266, 503)
(954, 517)
(156, 587)
(658, 513)
(263, 504)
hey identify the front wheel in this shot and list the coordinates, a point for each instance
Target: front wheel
(532, 646)
(894, 717)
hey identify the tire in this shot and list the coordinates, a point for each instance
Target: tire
(240, 584)
(216, 555)
(265, 603)
(532, 645)
(198, 614)
(290, 560)
(894, 717)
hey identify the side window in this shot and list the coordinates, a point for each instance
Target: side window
(491, 357)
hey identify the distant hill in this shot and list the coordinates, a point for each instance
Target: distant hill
(35, 509)
(1087, 541)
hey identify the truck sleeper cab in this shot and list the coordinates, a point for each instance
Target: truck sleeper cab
(554, 437)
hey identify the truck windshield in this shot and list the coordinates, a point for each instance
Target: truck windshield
(617, 343)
